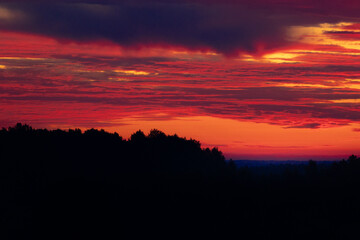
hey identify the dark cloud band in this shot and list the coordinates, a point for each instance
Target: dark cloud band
(237, 26)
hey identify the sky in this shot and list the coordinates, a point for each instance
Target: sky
(258, 79)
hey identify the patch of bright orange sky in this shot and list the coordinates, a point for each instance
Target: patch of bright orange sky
(296, 103)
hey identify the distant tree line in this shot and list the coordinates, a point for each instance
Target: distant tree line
(58, 184)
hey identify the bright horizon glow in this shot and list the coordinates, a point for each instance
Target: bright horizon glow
(257, 140)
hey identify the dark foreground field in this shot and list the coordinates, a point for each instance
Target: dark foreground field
(75, 185)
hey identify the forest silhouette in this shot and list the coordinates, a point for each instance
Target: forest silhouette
(58, 184)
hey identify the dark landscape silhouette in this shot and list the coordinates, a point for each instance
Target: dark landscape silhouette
(58, 184)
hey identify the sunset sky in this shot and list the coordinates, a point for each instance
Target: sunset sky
(259, 79)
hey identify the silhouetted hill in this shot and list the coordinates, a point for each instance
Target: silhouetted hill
(273, 167)
(72, 184)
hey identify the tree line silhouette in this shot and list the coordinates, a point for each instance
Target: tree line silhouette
(74, 184)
